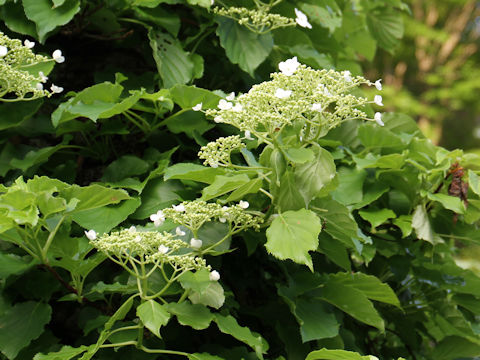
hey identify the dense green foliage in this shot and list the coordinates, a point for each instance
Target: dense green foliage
(148, 213)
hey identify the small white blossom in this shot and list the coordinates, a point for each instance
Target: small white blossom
(378, 100)
(230, 96)
(288, 67)
(179, 208)
(132, 229)
(378, 84)
(316, 107)
(56, 89)
(138, 238)
(283, 94)
(218, 119)
(3, 51)
(91, 234)
(214, 276)
(222, 220)
(57, 56)
(29, 44)
(179, 231)
(224, 105)
(324, 89)
(43, 78)
(158, 218)
(347, 75)
(238, 107)
(248, 135)
(196, 243)
(39, 86)
(162, 249)
(197, 107)
(302, 19)
(243, 204)
(378, 119)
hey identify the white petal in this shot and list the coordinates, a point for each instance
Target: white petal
(57, 56)
(179, 231)
(197, 107)
(196, 243)
(3, 51)
(378, 119)
(29, 44)
(243, 204)
(283, 94)
(248, 135)
(91, 234)
(378, 100)
(42, 76)
(39, 86)
(316, 107)
(238, 107)
(302, 19)
(347, 75)
(224, 105)
(214, 276)
(288, 67)
(56, 89)
(230, 96)
(162, 249)
(378, 84)
(179, 208)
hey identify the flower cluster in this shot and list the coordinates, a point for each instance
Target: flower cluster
(17, 79)
(218, 152)
(193, 214)
(259, 20)
(321, 99)
(150, 246)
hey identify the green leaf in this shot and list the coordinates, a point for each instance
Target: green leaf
(370, 285)
(376, 217)
(350, 187)
(197, 281)
(292, 235)
(12, 115)
(192, 123)
(474, 182)
(251, 187)
(335, 250)
(224, 184)
(404, 222)
(455, 347)
(312, 176)
(124, 167)
(377, 138)
(11, 264)
(188, 96)
(422, 226)
(21, 324)
(46, 17)
(159, 16)
(386, 26)
(229, 325)
(65, 353)
(194, 315)
(153, 316)
(120, 314)
(448, 202)
(316, 322)
(157, 194)
(339, 222)
(352, 301)
(212, 296)
(329, 17)
(203, 356)
(15, 19)
(174, 64)
(242, 46)
(325, 354)
(111, 215)
(93, 196)
(289, 196)
(299, 155)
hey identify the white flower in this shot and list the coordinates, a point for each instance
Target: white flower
(56, 89)
(230, 96)
(158, 218)
(218, 119)
(248, 135)
(57, 56)
(347, 75)
(212, 2)
(222, 220)
(378, 84)
(138, 238)
(324, 89)
(302, 19)
(29, 44)
(214, 276)
(42, 76)
(378, 119)
(316, 107)
(197, 107)
(132, 229)
(378, 100)
(162, 249)
(3, 51)
(238, 107)
(283, 94)
(288, 67)
(179, 231)
(224, 105)
(91, 234)
(196, 243)
(179, 208)
(39, 86)
(243, 204)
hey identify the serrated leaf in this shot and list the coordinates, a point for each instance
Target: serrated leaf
(448, 202)
(229, 325)
(243, 47)
(212, 296)
(422, 226)
(376, 217)
(350, 187)
(251, 187)
(93, 196)
(11, 264)
(46, 17)
(292, 235)
(288, 196)
(21, 324)
(65, 353)
(224, 184)
(299, 155)
(325, 354)
(316, 322)
(197, 281)
(386, 26)
(153, 316)
(195, 315)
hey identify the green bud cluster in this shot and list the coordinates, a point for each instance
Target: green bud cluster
(259, 20)
(321, 99)
(218, 152)
(198, 212)
(14, 76)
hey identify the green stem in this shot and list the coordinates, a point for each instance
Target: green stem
(125, 343)
(50, 239)
(135, 122)
(160, 351)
